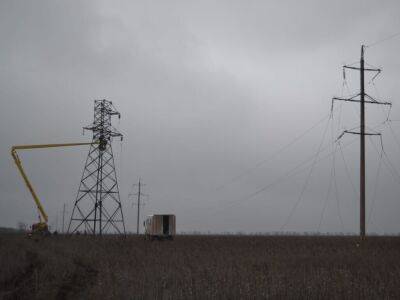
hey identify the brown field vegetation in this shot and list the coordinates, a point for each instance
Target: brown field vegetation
(199, 267)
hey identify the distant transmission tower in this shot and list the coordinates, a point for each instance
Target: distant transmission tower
(97, 207)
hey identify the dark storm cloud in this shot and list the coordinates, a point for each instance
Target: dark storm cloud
(206, 90)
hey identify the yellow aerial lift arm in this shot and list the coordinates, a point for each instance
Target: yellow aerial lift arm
(42, 214)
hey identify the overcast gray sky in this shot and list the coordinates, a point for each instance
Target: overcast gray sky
(207, 91)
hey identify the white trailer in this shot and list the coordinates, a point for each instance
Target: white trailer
(160, 227)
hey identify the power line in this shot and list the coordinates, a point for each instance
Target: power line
(387, 162)
(375, 187)
(337, 191)
(339, 142)
(394, 135)
(292, 172)
(384, 40)
(347, 169)
(212, 210)
(326, 201)
(330, 179)
(308, 177)
(334, 172)
(271, 157)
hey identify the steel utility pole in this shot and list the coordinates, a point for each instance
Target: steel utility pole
(362, 146)
(362, 94)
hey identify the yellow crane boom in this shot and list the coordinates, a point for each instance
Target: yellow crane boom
(42, 214)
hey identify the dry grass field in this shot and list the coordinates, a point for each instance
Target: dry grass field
(199, 267)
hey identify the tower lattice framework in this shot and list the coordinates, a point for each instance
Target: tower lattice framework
(97, 207)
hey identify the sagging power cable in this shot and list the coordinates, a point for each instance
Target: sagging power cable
(271, 157)
(305, 185)
(383, 40)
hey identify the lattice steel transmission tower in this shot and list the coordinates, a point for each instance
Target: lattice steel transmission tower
(97, 208)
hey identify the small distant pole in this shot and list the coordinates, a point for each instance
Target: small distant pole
(138, 208)
(139, 203)
(57, 222)
(63, 219)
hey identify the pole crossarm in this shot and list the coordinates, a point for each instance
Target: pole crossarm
(376, 101)
(365, 69)
(355, 132)
(371, 101)
(365, 133)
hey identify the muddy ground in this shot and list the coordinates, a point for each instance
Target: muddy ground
(199, 267)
